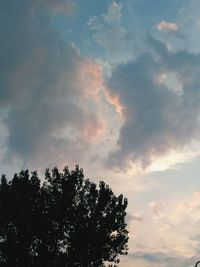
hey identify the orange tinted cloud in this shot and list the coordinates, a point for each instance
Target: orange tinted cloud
(164, 25)
(114, 100)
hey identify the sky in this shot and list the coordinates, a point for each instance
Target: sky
(114, 86)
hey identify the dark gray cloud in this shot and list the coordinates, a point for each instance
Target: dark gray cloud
(160, 95)
(41, 87)
(164, 259)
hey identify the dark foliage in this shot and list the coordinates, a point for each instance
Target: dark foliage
(66, 221)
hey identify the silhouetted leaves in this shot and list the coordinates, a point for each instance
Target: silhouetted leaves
(66, 221)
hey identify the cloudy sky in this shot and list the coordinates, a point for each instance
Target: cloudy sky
(113, 85)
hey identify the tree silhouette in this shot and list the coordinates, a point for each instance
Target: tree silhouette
(65, 221)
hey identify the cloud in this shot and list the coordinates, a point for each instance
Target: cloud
(48, 90)
(164, 259)
(158, 116)
(169, 26)
(114, 100)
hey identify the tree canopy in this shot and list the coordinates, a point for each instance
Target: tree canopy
(65, 221)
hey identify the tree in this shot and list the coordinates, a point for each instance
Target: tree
(65, 221)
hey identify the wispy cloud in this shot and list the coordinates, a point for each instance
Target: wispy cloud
(109, 32)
